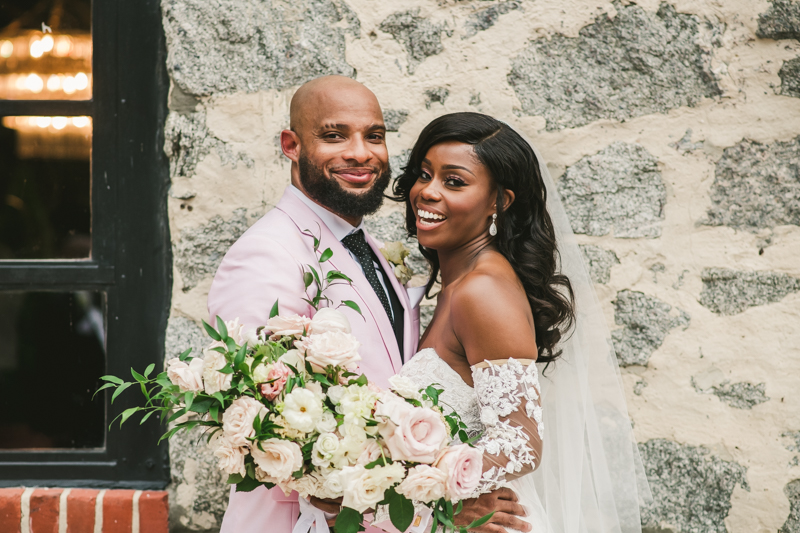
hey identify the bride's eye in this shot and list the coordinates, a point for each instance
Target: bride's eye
(454, 182)
(424, 176)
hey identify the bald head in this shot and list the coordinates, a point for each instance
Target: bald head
(321, 96)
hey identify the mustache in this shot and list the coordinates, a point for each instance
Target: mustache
(373, 168)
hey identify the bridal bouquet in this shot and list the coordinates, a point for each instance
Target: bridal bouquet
(285, 405)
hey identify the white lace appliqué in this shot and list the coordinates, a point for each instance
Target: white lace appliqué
(508, 429)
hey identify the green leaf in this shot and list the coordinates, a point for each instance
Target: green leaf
(119, 391)
(113, 379)
(335, 274)
(230, 344)
(234, 478)
(239, 359)
(480, 521)
(201, 405)
(227, 369)
(145, 417)
(149, 369)
(188, 398)
(177, 414)
(248, 484)
(348, 521)
(380, 461)
(183, 355)
(214, 412)
(221, 327)
(308, 279)
(433, 394)
(327, 254)
(126, 414)
(107, 385)
(211, 331)
(219, 397)
(274, 311)
(137, 376)
(352, 305)
(401, 511)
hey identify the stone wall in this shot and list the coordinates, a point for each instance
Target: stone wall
(673, 131)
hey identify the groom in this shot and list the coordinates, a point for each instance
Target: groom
(340, 169)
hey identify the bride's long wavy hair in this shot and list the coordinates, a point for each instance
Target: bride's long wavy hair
(525, 234)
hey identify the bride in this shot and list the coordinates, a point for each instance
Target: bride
(518, 341)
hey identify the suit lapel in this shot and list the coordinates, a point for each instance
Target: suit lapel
(305, 219)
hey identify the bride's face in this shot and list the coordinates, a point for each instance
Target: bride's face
(454, 198)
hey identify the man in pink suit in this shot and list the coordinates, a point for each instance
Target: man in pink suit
(340, 169)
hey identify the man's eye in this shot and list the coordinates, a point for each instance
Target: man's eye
(376, 137)
(332, 135)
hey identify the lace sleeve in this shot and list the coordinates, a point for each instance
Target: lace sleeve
(510, 408)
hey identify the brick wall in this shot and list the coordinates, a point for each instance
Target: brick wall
(40, 510)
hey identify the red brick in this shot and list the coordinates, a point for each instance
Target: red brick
(154, 512)
(118, 511)
(10, 510)
(44, 510)
(80, 510)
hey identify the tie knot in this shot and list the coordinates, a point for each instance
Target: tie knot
(355, 241)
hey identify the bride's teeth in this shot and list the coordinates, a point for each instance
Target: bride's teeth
(426, 214)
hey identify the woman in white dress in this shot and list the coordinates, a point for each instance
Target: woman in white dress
(515, 296)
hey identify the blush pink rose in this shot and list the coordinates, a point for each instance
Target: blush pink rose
(463, 465)
(283, 326)
(410, 433)
(276, 381)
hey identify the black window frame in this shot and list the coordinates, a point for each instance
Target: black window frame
(131, 258)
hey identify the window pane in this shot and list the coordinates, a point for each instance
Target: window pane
(51, 359)
(51, 61)
(45, 187)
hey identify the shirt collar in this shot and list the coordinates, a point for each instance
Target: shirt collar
(336, 224)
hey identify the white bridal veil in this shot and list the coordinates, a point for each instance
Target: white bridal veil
(591, 477)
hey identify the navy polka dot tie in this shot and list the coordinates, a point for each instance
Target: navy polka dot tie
(356, 243)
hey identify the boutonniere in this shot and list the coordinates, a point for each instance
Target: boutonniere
(396, 253)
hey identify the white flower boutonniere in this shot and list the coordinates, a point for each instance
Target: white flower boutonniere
(396, 253)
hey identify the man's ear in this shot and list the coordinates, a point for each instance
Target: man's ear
(290, 145)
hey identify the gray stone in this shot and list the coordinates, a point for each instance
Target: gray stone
(639, 386)
(199, 251)
(793, 446)
(184, 333)
(600, 261)
(646, 321)
(227, 46)
(398, 162)
(790, 78)
(618, 188)
(419, 36)
(741, 395)
(635, 64)
(757, 186)
(393, 228)
(685, 144)
(198, 493)
(780, 21)
(485, 18)
(475, 99)
(792, 524)
(691, 488)
(729, 292)
(187, 141)
(394, 118)
(425, 316)
(437, 94)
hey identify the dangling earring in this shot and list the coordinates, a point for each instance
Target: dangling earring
(493, 227)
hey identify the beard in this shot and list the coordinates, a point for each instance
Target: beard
(330, 193)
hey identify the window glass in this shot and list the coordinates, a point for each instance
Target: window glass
(45, 187)
(51, 359)
(45, 50)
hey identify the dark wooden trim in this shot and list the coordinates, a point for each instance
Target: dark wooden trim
(32, 275)
(46, 108)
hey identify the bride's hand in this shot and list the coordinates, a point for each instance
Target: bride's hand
(506, 507)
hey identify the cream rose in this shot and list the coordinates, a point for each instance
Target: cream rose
(424, 483)
(302, 410)
(328, 319)
(369, 453)
(279, 459)
(229, 456)
(410, 433)
(327, 424)
(189, 377)
(405, 387)
(365, 488)
(332, 484)
(213, 379)
(463, 465)
(333, 348)
(237, 420)
(324, 449)
(308, 485)
(284, 326)
(293, 358)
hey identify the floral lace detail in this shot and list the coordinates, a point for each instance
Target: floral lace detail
(500, 389)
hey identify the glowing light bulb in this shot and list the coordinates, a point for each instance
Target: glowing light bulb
(19, 82)
(6, 49)
(59, 123)
(53, 83)
(63, 46)
(37, 49)
(33, 121)
(42, 122)
(68, 85)
(81, 81)
(34, 83)
(80, 122)
(47, 43)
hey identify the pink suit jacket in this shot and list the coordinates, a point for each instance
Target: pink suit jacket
(266, 264)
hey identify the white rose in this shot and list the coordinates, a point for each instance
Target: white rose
(365, 488)
(189, 377)
(405, 387)
(237, 420)
(293, 358)
(327, 424)
(371, 452)
(279, 459)
(302, 410)
(335, 393)
(424, 483)
(333, 348)
(410, 433)
(332, 485)
(214, 380)
(283, 326)
(229, 456)
(261, 373)
(324, 449)
(328, 319)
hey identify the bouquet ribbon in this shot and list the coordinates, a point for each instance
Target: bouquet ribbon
(310, 515)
